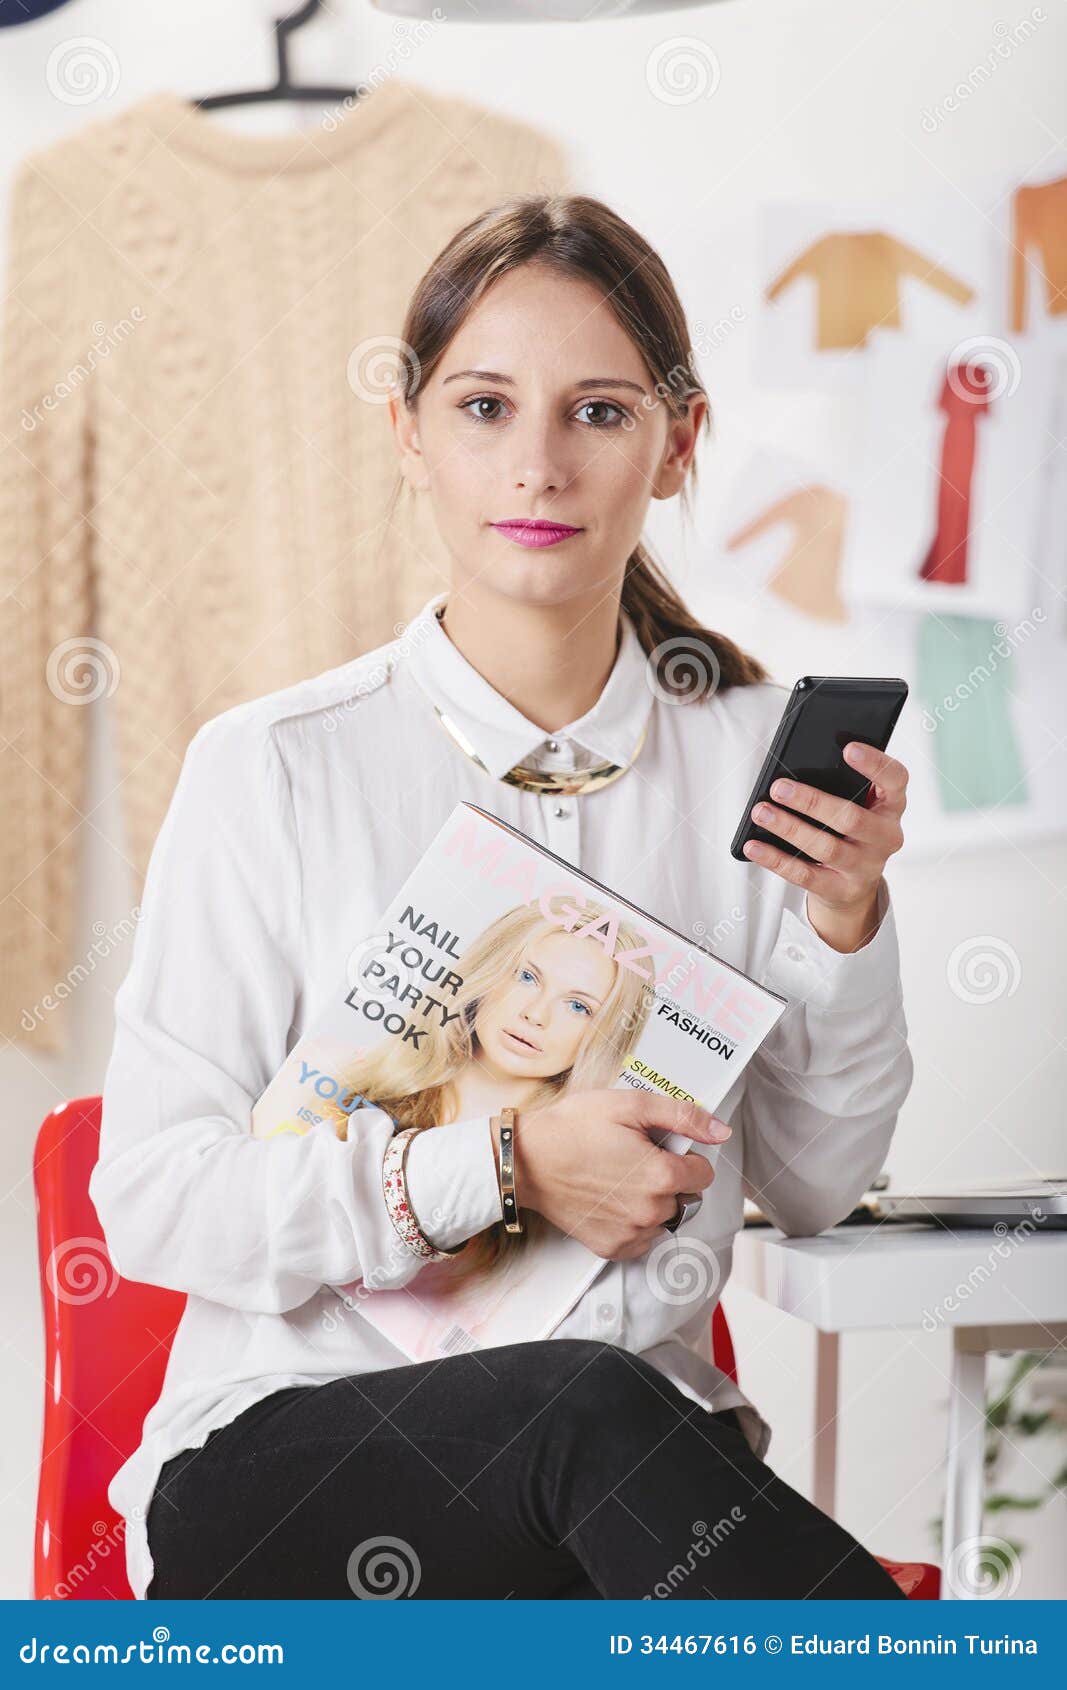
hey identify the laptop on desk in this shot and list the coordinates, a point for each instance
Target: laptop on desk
(1043, 1201)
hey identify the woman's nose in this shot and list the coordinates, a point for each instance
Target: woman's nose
(540, 463)
(537, 482)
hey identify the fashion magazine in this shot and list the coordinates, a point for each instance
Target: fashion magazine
(432, 1000)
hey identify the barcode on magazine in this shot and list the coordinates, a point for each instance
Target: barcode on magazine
(455, 1339)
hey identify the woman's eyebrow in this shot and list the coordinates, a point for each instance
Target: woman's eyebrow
(508, 381)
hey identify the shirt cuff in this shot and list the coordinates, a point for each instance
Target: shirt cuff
(803, 966)
(452, 1181)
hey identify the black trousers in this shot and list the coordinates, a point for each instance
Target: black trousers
(559, 1469)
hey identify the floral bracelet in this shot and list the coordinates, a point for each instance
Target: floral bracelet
(401, 1214)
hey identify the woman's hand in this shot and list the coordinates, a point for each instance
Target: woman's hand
(586, 1164)
(842, 884)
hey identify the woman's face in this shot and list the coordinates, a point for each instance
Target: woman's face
(542, 407)
(534, 1022)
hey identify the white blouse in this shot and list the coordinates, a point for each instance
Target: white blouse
(295, 819)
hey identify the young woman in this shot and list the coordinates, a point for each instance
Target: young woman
(557, 680)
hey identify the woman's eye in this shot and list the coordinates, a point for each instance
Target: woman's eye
(480, 399)
(484, 408)
(603, 405)
(584, 1007)
(524, 974)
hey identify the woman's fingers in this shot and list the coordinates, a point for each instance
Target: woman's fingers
(641, 1246)
(649, 1109)
(691, 1171)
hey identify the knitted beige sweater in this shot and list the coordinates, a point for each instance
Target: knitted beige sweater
(194, 468)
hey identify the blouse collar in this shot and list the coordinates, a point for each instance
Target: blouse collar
(500, 734)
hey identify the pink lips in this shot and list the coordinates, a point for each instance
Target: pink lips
(534, 532)
(535, 1050)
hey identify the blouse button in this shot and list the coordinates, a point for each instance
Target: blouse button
(560, 810)
(553, 745)
(795, 954)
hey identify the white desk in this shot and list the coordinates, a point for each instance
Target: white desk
(992, 1290)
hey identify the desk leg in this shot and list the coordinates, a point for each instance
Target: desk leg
(964, 1482)
(824, 1487)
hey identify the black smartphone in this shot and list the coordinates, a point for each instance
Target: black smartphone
(823, 713)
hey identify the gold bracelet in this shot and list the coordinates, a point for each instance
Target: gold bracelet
(508, 1200)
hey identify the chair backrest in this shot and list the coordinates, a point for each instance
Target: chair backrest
(722, 1345)
(107, 1341)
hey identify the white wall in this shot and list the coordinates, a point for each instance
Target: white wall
(816, 98)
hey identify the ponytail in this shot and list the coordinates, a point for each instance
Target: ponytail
(671, 635)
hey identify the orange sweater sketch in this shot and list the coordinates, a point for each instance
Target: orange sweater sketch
(857, 275)
(1039, 219)
(808, 575)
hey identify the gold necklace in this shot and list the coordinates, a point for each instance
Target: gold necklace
(547, 782)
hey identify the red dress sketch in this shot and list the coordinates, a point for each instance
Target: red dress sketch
(964, 398)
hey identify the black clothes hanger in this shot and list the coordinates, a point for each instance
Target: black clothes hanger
(283, 88)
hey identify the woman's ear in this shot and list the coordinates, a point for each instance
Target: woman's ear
(682, 436)
(406, 434)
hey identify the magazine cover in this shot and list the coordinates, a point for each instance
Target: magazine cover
(425, 1028)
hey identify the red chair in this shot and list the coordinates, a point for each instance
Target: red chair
(106, 1346)
(917, 1579)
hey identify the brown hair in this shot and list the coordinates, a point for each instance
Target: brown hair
(582, 237)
